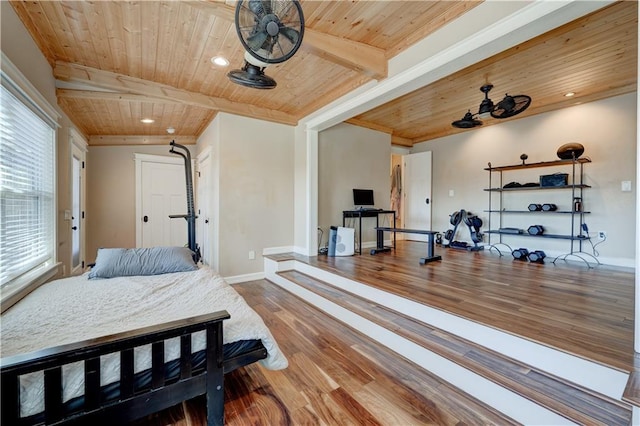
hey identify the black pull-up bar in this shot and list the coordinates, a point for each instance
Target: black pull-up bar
(190, 217)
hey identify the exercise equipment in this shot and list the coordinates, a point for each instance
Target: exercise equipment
(534, 207)
(520, 254)
(190, 217)
(537, 256)
(473, 222)
(535, 230)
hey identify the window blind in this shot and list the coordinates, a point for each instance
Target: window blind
(27, 180)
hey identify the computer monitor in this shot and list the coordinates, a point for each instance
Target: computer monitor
(363, 197)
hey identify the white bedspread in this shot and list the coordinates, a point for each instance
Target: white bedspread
(75, 309)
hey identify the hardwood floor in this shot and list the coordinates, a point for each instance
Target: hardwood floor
(338, 376)
(586, 312)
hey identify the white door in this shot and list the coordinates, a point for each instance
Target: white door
(162, 192)
(203, 200)
(417, 193)
(77, 208)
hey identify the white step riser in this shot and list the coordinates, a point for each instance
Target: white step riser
(591, 375)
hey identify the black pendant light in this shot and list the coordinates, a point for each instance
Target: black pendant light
(467, 121)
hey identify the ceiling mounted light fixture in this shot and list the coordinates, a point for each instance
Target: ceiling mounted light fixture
(147, 120)
(220, 61)
(467, 122)
(507, 107)
(171, 130)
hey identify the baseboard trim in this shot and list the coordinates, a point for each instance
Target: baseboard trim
(236, 279)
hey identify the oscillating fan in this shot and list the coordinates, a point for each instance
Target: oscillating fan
(271, 32)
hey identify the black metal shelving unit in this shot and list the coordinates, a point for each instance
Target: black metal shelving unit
(577, 216)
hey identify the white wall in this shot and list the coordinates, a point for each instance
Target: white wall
(606, 128)
(254, 173)
(351, 157)
(111, 195)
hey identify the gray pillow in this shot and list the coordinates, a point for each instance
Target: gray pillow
(121, 262)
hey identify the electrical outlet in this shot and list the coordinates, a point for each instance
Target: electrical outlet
(602, 235)
(252, 255)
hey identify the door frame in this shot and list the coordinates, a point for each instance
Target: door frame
(78, 147)
(148, 158)
(203, 205)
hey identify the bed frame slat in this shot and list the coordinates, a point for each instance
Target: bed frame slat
(137, 404)
(126, 373)
(53, 394)
(185, 357)
(92, 383)
(157, 365)
(10, 397)
(215, 375)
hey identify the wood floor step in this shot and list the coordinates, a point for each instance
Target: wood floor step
(564, 398)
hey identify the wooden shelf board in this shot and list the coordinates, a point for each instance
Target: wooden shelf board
(539, 164)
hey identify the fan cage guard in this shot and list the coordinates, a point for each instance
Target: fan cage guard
(255, 22)
(511, 105)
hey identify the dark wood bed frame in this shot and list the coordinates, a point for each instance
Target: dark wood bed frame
(131, 404)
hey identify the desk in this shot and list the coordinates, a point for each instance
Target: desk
(360, 213)
(430, 234)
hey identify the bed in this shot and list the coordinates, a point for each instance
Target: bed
(109, 349)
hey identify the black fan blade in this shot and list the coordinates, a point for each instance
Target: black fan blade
(266, 4)
(291, 34)
(260, 7)
(256, 41)
(511, 105)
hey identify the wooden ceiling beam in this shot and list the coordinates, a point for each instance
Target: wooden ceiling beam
(350, 54)
(154, 92)
(359, 57)
(117, 140)
(400, 141)
(110, 96)
(395, 140)
(369, 125)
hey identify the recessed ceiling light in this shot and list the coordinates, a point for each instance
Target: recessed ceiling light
(147, 120)
(569, 94)
(220, 61)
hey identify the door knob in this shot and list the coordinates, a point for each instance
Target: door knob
(426, 201)
(74, 228)
(145, 219)
(206, 221)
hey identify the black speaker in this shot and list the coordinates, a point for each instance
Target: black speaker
(520, 254)
(534, 207)
(535, 230)
(537, 256)
(549, 207)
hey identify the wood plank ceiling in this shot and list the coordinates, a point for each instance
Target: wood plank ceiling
(117, 62)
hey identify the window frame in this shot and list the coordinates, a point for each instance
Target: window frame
(15, 82)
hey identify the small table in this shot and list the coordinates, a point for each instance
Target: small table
(380, 230)
(360, 213)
